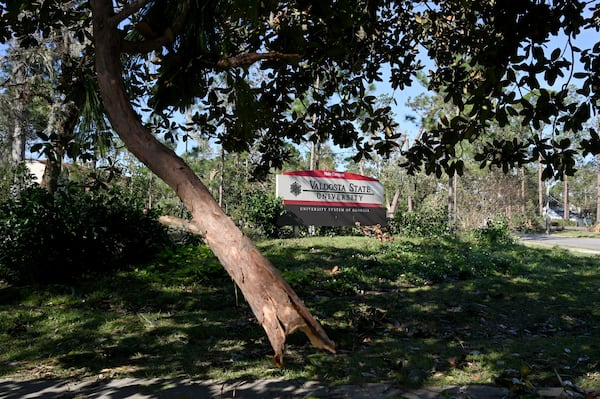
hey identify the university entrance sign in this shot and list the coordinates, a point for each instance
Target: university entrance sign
(330, 198)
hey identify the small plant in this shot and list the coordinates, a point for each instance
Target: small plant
(495, 231)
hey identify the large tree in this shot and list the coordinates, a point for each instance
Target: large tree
(485, 56)
(24, 86)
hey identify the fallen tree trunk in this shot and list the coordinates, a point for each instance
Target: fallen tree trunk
(274, 303)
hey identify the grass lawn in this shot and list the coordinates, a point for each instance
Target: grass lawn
(428, 311)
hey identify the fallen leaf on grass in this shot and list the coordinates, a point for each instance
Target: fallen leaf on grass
(334, 270)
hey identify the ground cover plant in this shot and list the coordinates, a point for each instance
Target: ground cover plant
(411, 311)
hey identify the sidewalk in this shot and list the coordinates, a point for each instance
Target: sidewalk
(133, 388)
(576, 244)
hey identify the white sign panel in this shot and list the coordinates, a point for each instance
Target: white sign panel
(329, 188)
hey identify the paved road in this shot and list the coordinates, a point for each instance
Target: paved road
(135, 388)
(579, 244)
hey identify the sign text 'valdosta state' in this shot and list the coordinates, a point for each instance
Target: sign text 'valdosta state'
(329, 187)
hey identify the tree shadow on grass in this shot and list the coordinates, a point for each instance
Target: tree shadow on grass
(533, 317)
(121, 327)
(471, 330)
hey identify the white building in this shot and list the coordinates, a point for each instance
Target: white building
(36, 168)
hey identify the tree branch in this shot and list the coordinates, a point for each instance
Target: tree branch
(166, 37)
(251, 58)
(147, 46)
(182, 224)
(128, 11)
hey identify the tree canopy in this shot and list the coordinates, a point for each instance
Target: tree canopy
(244, 63)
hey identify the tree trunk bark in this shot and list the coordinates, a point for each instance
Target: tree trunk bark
(52, 172)
(412, 183)
(277, 307)
(540, 189)
(452, 201)
(18, 137)
(62, 122)
(394, 205)
(391, 206)
(18, 133)
(598, 192)
(566, 211)
(523, 194)
(221, 177)
(455, 201)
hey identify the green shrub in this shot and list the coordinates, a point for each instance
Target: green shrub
(495, 231)
(13, 179)
(47, 238)
(426, 222)
(263, 210)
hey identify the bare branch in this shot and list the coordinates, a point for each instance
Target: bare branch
(182, 224)
(147, 46)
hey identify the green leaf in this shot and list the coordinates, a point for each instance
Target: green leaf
(37, 147)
